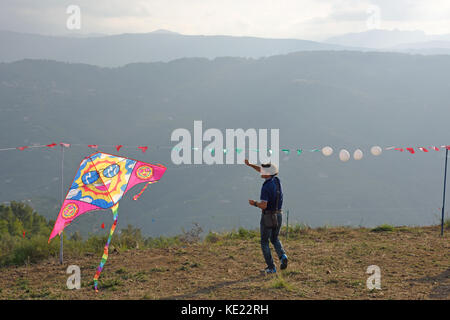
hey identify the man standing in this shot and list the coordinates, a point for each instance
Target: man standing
(271, 219)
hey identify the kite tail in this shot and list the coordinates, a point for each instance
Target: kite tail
(105, 251)
(143, 189)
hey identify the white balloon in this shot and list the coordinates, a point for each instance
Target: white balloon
(358, 154)
(327, 151)
(344, 155)
(376, 150)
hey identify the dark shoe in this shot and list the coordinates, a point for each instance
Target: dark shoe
(284, 262)
(269, 270)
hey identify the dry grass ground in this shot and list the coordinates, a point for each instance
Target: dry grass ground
(324, 263)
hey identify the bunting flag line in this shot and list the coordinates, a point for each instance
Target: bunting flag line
(326, 151)
(143, 148)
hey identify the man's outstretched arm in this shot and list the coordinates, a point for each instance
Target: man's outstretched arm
(254, 166)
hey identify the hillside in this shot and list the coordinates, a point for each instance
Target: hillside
(342, 99)
(325, 263)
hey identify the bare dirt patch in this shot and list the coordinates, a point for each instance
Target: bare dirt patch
(324, 263)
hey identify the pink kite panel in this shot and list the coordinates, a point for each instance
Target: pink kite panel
(145, 172)
(70, 210)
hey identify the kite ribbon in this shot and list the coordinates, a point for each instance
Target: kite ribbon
(105, 251)
(143, 189)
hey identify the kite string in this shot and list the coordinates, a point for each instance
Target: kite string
(105, 251)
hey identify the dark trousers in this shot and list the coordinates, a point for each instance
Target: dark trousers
(272, 235)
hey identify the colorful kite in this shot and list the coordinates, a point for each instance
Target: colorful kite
(101, 181)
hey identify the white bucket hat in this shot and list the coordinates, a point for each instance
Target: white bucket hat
(269, 169)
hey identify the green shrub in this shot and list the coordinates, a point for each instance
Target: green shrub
(130, 238)
(447, 223)
(383, 228)
(212, 237)
(31, 250)
(162, 242)
(191, 236)
(242, 234)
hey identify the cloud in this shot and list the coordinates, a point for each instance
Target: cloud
(308, 19)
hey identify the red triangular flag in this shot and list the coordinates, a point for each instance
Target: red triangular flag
(23, 234)
(103, 226)
(447, 147)
(22, 148)
(51, 145)
(435, 148)
(65, 145)
(411, 150)
(399, 149)
(423, 149)
(93, 146)
(143, 149)
(118, 147)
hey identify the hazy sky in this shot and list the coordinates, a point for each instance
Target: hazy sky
(305, 19)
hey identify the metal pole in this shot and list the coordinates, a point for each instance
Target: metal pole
(287, 224)
(443, 200)
(61, 237)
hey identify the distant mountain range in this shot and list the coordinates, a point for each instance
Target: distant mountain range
(165, 45)
(396, 40)
(161, 45)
